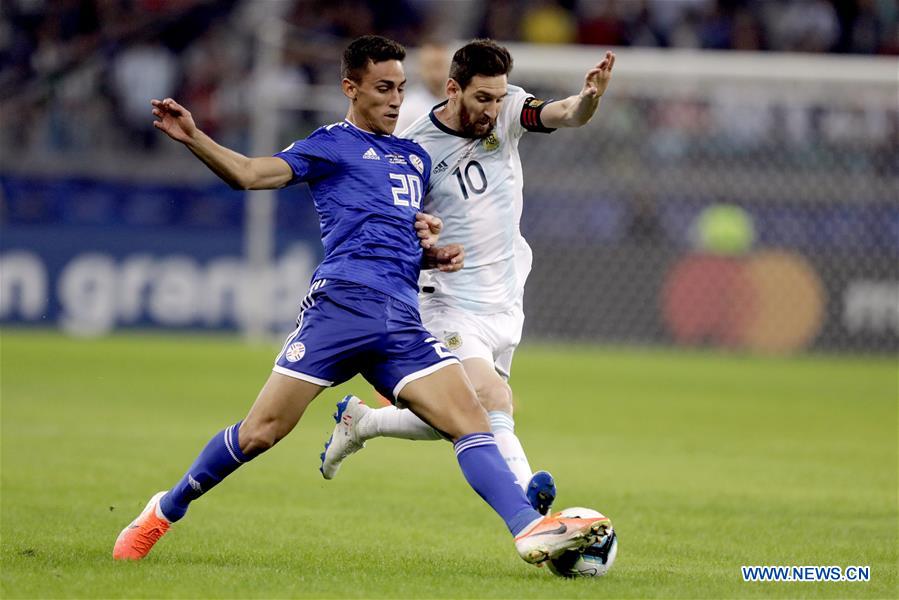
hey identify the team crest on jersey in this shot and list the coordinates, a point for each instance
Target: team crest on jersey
(491, 142)
(417, 163)
(453, 340)
(295, 351)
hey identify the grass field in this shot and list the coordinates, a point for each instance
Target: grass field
(704, 462)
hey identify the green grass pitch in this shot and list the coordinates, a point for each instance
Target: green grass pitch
(705, 462)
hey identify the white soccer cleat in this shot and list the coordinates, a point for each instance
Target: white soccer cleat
(548, 537)
(344, 439)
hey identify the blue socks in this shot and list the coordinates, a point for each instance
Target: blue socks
(487, 473)
(220, 458)
(482, 464)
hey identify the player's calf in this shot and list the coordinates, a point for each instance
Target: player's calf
(495, 395)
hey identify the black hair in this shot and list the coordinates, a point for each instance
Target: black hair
(366, 49)
(479, 57)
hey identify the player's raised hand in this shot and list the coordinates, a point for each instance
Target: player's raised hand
(175, 120)
(449, 258)
(597, 79)
(428, 228)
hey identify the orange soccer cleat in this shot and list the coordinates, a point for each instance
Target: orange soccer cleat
(548, 537)
(136, 540)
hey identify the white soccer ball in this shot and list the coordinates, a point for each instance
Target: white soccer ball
(594, 560)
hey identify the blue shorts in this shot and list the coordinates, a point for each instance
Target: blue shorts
(346, 328)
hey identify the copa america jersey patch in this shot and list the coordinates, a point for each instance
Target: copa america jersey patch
(295, 351)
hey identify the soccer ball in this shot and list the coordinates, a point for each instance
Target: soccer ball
(594, 560)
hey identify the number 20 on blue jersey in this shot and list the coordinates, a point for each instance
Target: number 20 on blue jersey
(408, 192)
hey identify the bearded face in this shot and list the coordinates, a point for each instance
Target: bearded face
(480, 103)
(474, 125)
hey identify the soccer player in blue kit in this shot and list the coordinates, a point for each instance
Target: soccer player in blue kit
(361, 313)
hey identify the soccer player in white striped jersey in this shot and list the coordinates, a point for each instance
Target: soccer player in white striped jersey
(476, 189)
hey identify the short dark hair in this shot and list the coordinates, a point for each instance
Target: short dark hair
(366, 49)
(479, 57)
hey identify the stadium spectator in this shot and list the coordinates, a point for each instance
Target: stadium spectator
(430, 86)
(144, 70)
(547, 22)
(48, 50)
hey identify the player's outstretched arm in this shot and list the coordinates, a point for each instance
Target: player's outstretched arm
(237, 170)
(576, 111)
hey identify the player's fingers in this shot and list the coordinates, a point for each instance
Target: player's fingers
(172, 105)
(449, 265)
(456, 253)
(434, 223)
(611, 60)
(424, 219)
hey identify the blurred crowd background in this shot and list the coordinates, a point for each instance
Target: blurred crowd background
(73, 72)
(737, 208)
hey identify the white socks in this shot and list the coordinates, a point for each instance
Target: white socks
(391, 421)
(503, 427)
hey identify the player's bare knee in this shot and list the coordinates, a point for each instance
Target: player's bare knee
(465, 415)
(496, 396)
(259, 437)
(473, 415)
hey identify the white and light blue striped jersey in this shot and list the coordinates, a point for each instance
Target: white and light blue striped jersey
(476, 188)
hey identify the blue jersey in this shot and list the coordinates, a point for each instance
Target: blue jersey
(367, 189)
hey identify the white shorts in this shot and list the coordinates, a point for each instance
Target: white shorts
(492, 337)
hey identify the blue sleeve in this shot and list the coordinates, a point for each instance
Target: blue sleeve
(312, 158)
